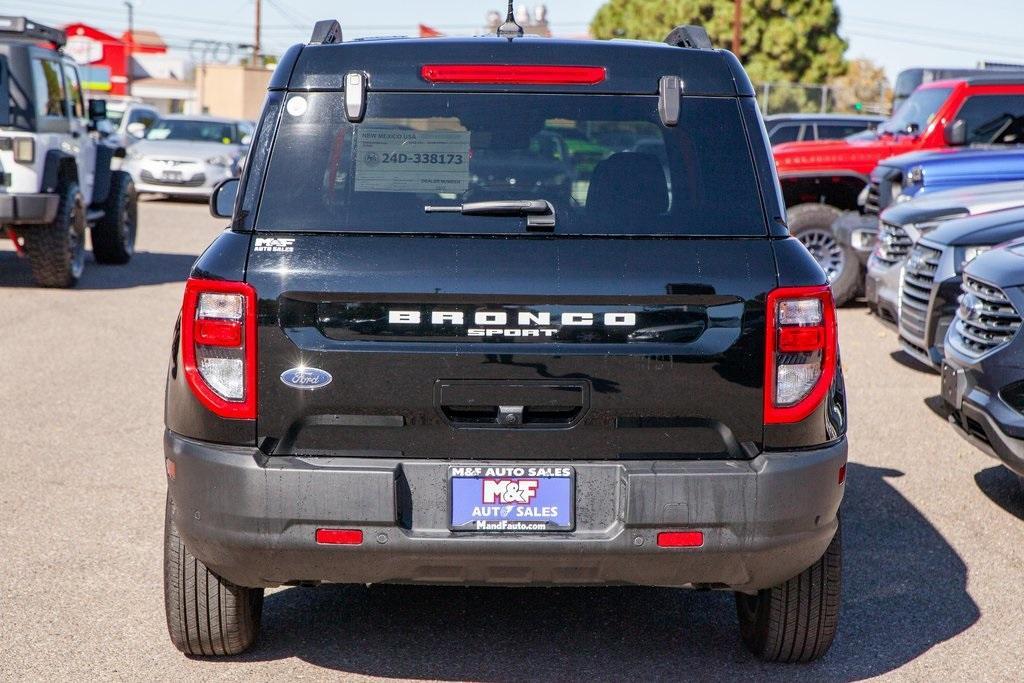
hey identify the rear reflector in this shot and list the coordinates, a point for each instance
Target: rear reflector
(842, 474)
(513, 74)
(339, 536)
(680, 539)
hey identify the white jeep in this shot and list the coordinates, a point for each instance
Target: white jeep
(55, 166)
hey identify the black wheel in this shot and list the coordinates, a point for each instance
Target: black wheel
(206, 615)
(812, 225)
(796, 621)
(113, 236)
(56, 251)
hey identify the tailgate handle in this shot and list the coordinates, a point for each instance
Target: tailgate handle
(510, 405)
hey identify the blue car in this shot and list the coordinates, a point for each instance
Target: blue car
(903, 177)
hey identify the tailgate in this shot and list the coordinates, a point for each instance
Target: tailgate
(511, 348)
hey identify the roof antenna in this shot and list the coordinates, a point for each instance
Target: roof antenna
(510, 29)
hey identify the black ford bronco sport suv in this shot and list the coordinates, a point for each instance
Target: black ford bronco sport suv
(506, 311)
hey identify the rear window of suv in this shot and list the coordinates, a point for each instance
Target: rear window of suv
(605, 163)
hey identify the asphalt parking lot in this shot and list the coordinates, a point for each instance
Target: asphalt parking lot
(933, 529)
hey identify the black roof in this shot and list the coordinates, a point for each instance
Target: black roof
(1007, 78)
(633, 67)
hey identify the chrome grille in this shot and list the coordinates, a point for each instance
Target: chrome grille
(986, 318)
(918, 278)
(893, 244)
(873, 202)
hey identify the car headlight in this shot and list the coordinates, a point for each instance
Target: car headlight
(133, 153)
(221, 160)
(968, 254)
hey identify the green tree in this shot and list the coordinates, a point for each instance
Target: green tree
(783, 40)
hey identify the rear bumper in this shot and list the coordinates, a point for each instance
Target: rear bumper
(17, 209)
(252, 519)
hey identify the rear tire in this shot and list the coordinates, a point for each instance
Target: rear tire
(56, 251)
(797, 620)
(812, 225)
(113, 236)
(206, 615)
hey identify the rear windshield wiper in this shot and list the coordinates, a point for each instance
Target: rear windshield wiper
(540, 214)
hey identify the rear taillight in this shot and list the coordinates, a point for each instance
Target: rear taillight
(800, 352)
(218, 346)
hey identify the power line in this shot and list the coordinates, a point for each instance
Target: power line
(937, 46)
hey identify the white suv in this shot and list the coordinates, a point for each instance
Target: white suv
(55, 171)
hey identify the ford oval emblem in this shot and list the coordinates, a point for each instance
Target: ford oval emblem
(306, 378)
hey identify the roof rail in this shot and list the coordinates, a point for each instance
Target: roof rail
(326, 32)
(690, 36)
(23, 26)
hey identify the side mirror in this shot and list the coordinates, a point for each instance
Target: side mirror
(956, 133)
(97, 110)
(136, 130)
(222, 201)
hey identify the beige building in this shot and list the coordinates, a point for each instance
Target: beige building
(231, 90)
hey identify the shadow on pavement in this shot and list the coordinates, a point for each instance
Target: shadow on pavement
(905, 592)
(908, 361)
(1004, 488)
(145, 268)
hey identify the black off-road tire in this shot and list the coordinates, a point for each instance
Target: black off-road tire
(206, 615)
(113, 236)
(796, 621)
(56, 251)
(810, 220)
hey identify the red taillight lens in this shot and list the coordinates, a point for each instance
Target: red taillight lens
(339, 536)
(218, 346)
(680, 539)
(513, 74)
(800, 352)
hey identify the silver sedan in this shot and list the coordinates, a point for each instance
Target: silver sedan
(188, 155)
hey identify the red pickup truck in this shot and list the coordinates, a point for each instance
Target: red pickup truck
(822, 180)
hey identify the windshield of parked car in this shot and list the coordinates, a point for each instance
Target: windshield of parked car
(605, 163)
(196, 130)
(917, 112)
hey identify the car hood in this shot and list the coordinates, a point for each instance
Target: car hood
(985, 229)
(972, 200)
(1002, 267)
(960, 160)
(184, 148)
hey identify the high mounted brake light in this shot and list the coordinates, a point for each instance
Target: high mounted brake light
(218, 346)
(513, 74)
(800, 352)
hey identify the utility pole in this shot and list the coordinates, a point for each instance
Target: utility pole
(737, 26)
(256, 41)
(131, 45)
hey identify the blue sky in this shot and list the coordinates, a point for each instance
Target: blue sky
(894, 33)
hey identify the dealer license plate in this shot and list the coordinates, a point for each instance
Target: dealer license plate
(512, 498)
(172, 176)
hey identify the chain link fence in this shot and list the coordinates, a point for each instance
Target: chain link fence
(789, 98)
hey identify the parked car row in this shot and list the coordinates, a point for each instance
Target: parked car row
(947, 134)
(925, 217)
